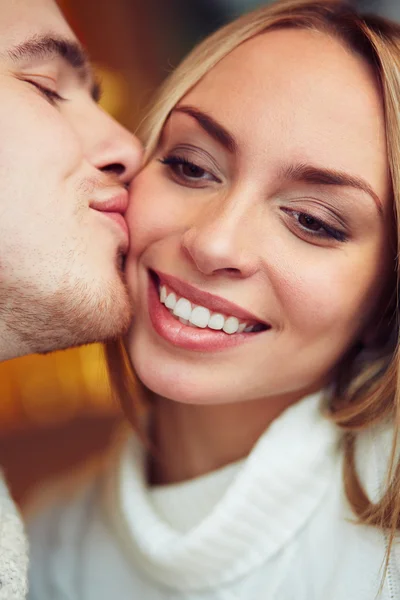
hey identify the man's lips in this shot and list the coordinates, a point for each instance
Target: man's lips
(114, 208)
(211, 301)
(118, 218)
(116, 203)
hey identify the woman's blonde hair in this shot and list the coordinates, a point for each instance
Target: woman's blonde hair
(367, 384)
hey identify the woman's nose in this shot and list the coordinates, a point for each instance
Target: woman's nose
(220, 241)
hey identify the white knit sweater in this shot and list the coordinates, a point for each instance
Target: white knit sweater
(13, 549)
(276, 526)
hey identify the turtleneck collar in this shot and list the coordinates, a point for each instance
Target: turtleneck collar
(275, 492)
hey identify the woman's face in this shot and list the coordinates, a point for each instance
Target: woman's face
(265, 207)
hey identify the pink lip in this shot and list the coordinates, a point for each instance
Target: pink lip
(117, 203)
(188, 338)
(114, 208)
(210, 301)
(119, 219)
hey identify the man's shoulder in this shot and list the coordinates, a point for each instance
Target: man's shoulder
(13, 549)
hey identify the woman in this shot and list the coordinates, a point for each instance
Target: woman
(264, 280)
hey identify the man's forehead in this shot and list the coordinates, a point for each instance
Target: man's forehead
(21, 19)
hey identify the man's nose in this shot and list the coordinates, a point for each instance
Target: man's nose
(111, 148)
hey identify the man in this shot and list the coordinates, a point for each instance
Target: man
(64, 169)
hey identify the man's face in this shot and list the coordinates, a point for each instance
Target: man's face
(64, 164)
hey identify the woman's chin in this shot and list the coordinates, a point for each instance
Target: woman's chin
(163, 374)
(170, 381)
(167, 383)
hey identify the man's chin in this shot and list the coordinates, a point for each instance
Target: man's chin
(106, 321)
(70, 318)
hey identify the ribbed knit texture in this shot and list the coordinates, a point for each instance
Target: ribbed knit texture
(286, 474)
(184, 505)
(13, 550)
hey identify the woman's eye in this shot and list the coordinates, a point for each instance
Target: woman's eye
(187, 171)
(50, 95)
(191, 170)
(309, 222)
(315, 227)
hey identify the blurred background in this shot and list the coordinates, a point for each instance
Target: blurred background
(56, 411)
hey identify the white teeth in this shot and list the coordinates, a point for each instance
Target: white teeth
(216, 321)
(170, 301)
(231, 325)
(183, 309)
(200, 316)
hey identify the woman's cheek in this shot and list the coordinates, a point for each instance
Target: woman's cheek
(314, 286)
(146, 212)
(157, 209)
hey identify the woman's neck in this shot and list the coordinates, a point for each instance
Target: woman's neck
(192, 440)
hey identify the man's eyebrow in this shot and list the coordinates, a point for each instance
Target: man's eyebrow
(210, 126)
(51, 46)
(322, 176)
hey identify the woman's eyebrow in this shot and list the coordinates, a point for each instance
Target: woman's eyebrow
(300, 172)
(47, 47)
(210, 126)
(319, 175)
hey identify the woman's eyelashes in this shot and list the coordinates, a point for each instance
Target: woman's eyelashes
(187, 172)
(314, 227)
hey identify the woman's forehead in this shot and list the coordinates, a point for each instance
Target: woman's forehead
(289, 61)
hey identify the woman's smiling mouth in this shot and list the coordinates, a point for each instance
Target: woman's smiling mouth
(196, 320)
